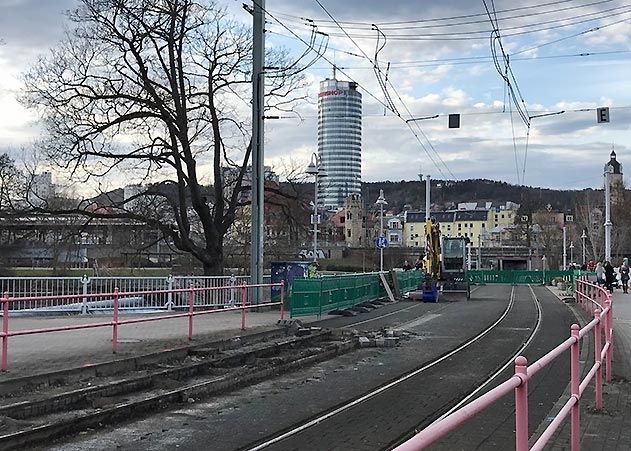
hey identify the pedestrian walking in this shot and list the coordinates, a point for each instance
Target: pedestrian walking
(624, 275)
(610, 276)
(600, 274)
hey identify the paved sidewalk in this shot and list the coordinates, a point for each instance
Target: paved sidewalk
(609, 430)
(30, 354)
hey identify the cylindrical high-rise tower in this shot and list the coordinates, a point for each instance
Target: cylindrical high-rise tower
(339, 141)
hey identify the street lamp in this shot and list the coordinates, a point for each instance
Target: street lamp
(381, 201)
(583, 238)
(608, 224)
(571, 252)
(543, 265)
(564, 249)
(315, 168)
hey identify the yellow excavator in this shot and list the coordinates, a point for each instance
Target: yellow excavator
(444, 266)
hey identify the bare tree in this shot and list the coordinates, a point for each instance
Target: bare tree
(10, 184)
(156, 93)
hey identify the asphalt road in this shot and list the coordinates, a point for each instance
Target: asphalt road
(253, 414)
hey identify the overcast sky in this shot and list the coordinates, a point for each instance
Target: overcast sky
(439, 65)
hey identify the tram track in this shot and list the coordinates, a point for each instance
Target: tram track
(41, 407)
(61, 410)
(494, 428)
(263, 407)
(289, 438)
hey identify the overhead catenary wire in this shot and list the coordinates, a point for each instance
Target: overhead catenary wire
(541, 113)
(385, 105)
(434, 19)
(394, 109)
(400, 100)
(386, 27)
(476, 59)
(468, 35)
(512, 89)
(555, 41)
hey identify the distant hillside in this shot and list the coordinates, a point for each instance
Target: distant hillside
(449, 192)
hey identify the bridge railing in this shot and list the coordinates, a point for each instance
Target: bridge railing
(56, 294)
(592, 298)
(193, 294)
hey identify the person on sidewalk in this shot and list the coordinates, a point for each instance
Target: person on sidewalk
(610, 276)
(624, 275)
(600, 274)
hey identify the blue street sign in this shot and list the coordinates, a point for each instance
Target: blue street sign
(381, 242)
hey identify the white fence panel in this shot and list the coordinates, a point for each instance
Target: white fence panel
(159, 299)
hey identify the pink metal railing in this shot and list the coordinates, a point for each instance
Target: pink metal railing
(593, 299)
(116, 321)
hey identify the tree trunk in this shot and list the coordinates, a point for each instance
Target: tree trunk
(214, 262)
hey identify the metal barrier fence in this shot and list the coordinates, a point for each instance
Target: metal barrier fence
(593, 299)
(194, 296)
(518, 276)
(328, 293)
(52, 292)
(408, 280)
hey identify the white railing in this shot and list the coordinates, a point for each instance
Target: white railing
(64, 286)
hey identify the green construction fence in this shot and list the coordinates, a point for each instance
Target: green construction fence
(320, 295)
(316, 296)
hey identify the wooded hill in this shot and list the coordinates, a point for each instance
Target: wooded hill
(450, 193)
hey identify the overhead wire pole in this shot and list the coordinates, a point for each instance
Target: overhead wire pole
(257, 177)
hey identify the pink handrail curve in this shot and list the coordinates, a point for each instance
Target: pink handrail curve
(116, 322)
(600, 306)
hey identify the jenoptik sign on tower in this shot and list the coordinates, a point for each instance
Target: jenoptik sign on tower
(336, 92)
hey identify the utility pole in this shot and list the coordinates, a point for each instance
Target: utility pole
(258, 178)
(427, 196)
(381, 201)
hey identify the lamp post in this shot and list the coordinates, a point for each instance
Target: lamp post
(381, 201)
(608, 224)
(564, 249)
(583, 238)
(571, 252)
(479, 263)
(543, 265)
(315, 168)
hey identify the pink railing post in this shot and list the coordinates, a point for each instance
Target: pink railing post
(282, 299)
(575, 368)
(244, 296)
(609, 338)
(598, 383)
(191, 302)
(5, 331)
(115, 323)
(521, 405)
